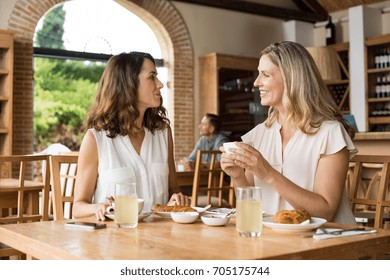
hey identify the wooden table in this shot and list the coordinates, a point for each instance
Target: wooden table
(161, 238)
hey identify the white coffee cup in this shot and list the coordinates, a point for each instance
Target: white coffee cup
(228, 145)
(180, 167)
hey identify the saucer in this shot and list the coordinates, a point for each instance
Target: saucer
(143, 215)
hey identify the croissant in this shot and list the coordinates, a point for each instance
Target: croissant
(291, 216)
(176, 208)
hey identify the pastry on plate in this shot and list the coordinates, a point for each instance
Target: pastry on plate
(291, 216)
(176, 208)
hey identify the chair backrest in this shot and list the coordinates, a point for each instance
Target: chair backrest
(63, 179)
(27, 195)
(380, 201)
(219, 191)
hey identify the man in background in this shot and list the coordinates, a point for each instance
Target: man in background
(211, 138)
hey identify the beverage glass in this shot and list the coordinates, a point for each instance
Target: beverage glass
(249, 215)
(126, 205)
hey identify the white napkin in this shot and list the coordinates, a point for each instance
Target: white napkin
(320, 234)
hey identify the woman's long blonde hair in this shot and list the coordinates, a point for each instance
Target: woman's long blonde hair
(115, 105)
(306, 98)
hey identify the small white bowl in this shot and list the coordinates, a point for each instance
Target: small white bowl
(184, 217)
(215, 220)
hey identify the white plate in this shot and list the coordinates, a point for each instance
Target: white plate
(143, 215)
(315, 223)
(168, 214)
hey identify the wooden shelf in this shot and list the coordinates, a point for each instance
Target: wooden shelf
(336, 82)
(6, 93)
(378, 40)
(372, 136)
(379, 120)
(340, 47)
(383, 99)
(378, 70)
(373, 46)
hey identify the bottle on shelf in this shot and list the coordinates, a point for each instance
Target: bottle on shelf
(375, 111)
(377, 58)
(378, 88)
(388, 57)
(381, 58)
(388, 108)
(330, 32)
(387, 91)
(385, 58)
(383, 87)
(238, 84)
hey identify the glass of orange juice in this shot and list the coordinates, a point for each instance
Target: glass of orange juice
(249, 214)
(126, 205)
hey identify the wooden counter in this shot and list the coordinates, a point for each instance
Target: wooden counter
(373, 143)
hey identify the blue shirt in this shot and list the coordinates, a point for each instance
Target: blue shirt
(204, 144)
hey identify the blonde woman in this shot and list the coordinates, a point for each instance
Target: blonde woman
(301, 153)
(129, 139)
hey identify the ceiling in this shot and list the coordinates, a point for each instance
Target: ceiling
(303, 10)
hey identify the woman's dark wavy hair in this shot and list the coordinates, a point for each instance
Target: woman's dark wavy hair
(115, 105)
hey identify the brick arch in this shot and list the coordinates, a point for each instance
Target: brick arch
(175, 43)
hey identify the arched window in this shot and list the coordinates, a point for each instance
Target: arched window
(168, 25)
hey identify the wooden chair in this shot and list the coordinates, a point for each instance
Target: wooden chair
(63, 179)
(369, 178)
(26, 198)
(376, 205)
(218, 192)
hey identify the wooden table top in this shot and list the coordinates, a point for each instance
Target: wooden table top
(161, 238)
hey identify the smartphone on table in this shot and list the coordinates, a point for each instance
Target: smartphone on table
(85, 225)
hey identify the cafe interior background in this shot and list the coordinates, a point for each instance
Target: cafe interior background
(195, 36)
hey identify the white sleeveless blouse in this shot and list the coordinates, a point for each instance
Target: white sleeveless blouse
(298, 162)
(119, 162)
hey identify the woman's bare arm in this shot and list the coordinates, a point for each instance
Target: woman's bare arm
(87, 172)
